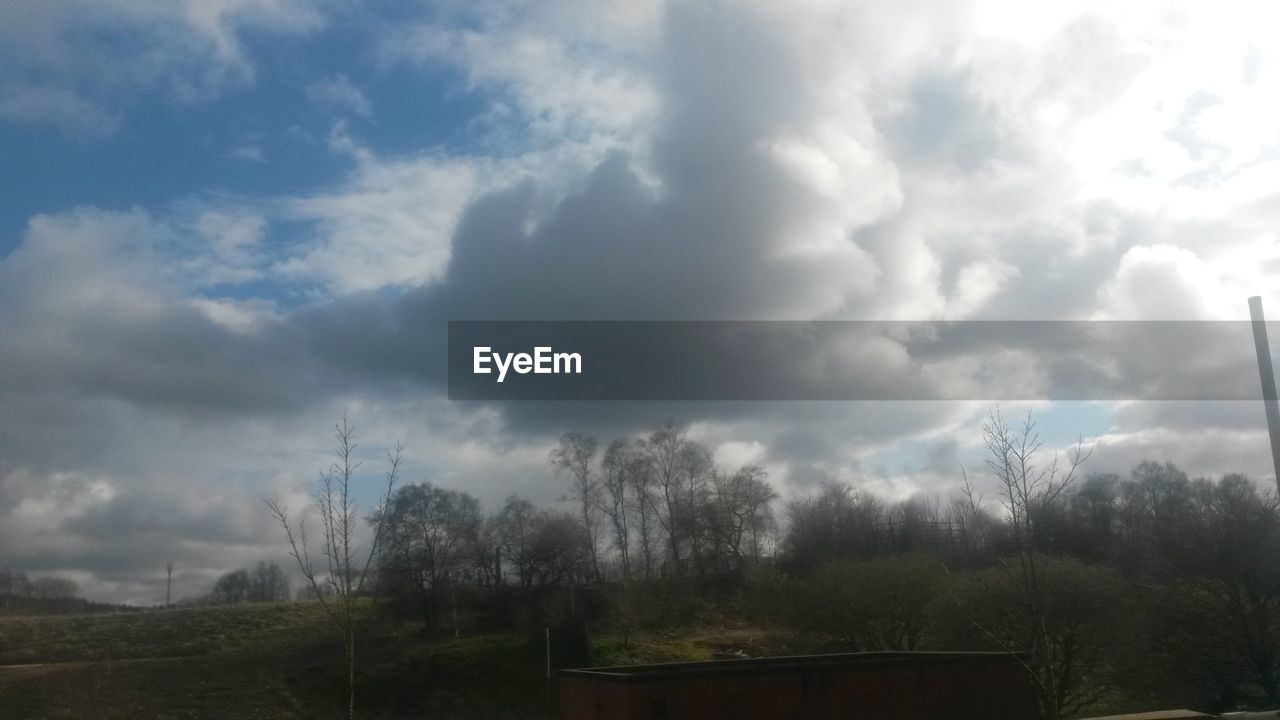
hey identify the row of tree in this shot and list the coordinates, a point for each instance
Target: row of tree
(48, 587)
(1151, 589)
(653, 507)
(668, 509)
(48, 594)
(1154, 588)
(265, 582)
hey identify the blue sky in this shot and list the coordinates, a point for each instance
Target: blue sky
(228, 222)
(268, 139)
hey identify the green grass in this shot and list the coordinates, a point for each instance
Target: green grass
(285, 661)
(258, 661)
(487, 676)
(152, 634)
(689, 645)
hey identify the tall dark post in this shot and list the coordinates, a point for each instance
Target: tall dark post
(1268, 380)
(168, 582)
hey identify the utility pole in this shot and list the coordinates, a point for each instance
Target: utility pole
(168, 584)
(1268, 376)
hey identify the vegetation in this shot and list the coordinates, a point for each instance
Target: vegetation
(256, 661)
(339, 584)
(47, 595)
(266, 582)
(152, 633)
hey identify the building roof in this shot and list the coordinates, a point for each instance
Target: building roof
(1157, 715)
(785, 664)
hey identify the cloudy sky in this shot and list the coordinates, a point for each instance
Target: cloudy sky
(227, 222)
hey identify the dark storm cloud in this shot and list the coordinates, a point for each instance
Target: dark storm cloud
(86, 315)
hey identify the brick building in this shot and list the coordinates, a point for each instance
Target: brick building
(866, 686)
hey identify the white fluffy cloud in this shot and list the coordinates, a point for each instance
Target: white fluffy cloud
(340, 94)
(390, 225)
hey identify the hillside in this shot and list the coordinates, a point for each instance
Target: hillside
(255, 661)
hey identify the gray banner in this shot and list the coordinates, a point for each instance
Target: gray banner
(853, 360)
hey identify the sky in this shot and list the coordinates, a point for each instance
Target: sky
(226, 223)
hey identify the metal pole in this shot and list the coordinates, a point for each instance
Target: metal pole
(548, 656)
(1268, 376)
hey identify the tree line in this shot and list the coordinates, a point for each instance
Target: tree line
(48, 587)
(1116, 592)
(1121, 592)
(264, 582)
(654, 507)
(47, 594)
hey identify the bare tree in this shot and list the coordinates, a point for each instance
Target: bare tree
(430, 541)
(664, 449)
(231, 588)
(640, 479)
(973, 517)
(268, 583)
(575, 455)
(740, 513)
(514, 528)
(693, 488)
(54, 588)
(615, 466)
(340, 581)
(1084, 618)
(835, 522)
(1028, 490)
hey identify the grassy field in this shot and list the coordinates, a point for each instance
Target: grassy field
(255, 661)
(690, 644)
(153, 634)
(284, 661)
